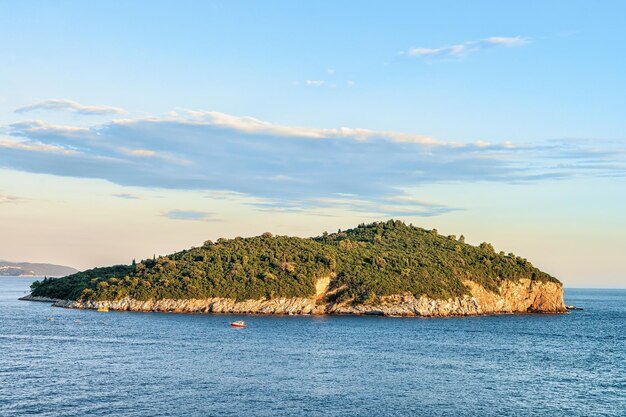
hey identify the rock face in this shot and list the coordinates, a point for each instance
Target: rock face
(523, 296)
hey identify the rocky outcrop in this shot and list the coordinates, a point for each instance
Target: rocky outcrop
(520, 296)
(523, 296)
(41, 299)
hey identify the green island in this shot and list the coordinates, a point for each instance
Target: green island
(364, 264)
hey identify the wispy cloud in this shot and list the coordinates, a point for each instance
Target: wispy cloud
(399, 205)
(127, 196)
(8, 199)
(34, 146)
(255, 126)
(277, 167)
(466, 48)
(506, 41)
(329, 80)
(48, 128)
(189, 215)
(147, 153)
(315, 83)
(71, 107)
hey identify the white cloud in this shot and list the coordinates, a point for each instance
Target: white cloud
(332, 84)
(70, 106)
(466, 48)
(291, 168)
(454, 50)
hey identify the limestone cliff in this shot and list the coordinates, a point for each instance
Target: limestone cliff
(523, 296)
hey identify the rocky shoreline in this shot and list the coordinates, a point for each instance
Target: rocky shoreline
(41, 299)
(523, 296)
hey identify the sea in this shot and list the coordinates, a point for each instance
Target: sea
(60, 362)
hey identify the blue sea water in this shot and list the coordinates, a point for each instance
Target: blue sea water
(85, 363)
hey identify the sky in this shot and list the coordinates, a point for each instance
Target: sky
(129, 129)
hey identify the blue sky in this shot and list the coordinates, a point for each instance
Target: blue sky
(158, 125)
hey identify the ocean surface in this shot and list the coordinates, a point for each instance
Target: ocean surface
(85, 363)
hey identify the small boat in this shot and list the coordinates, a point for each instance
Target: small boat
(240, 324)
(103, 309)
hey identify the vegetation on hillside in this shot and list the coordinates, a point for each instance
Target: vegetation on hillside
(366, 262)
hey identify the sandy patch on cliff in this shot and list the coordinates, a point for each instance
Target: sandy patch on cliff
(321, 287)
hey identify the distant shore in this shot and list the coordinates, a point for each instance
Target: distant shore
(31, 276)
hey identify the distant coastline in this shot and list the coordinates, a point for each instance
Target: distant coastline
(31, 269)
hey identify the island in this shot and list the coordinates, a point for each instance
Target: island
(29, 269)
(384, 268)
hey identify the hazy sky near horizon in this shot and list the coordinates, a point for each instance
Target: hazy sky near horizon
(136, 128)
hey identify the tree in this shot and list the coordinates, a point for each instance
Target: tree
(487, 246)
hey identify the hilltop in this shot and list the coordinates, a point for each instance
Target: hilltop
(380, 264)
